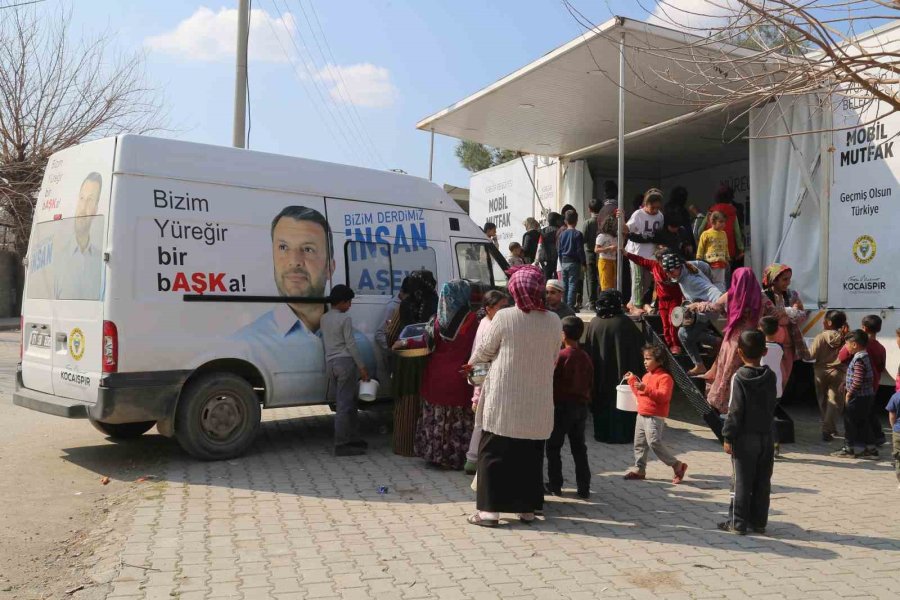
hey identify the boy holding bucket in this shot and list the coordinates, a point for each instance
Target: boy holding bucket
(344, 368)
(653, 395)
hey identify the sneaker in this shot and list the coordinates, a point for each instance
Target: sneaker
(869, 454)
(549, 489)
(726, 526)
(635, 475)
(470, 467)
(844, 452)
(827, 437)
(680, 470)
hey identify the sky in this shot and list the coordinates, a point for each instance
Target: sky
(342, 81)
(339, 81)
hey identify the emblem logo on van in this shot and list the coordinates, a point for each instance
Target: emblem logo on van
(76, 344)
(864, 249)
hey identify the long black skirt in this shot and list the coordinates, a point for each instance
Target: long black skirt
(510, 474)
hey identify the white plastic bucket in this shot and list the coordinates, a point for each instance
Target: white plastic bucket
(368, 390)
(625, 398)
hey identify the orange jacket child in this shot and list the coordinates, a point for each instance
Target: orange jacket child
(657, 395)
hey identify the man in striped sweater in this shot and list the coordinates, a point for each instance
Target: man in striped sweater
(858, 434)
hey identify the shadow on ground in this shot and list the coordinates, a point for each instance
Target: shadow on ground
(292, 456)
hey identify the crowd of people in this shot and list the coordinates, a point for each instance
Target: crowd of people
(543, 373)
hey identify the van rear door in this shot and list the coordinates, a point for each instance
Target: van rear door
(63, 307)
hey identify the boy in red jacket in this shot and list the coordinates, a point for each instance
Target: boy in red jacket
(668, 294)
(653, 394)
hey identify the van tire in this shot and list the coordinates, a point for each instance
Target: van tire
(217, 417)
(123, 431)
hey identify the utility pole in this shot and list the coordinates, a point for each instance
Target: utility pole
(240, 79)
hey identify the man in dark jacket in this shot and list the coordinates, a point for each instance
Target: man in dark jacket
(589, 231)
(748, 437)
(548, 255)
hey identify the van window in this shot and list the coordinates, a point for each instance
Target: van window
(369, 270)
(65, 261)
(416, 259)
(374, 270)
(480, 262)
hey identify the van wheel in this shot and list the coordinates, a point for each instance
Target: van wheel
(217, 417)
(123, 431)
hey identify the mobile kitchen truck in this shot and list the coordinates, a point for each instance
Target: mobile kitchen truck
(181, 285)
(817, 179)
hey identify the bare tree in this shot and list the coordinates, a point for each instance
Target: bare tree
(796, 47)
(55, 93)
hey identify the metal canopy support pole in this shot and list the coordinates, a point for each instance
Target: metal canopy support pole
(431, 157)
(825, 198)
(240, 78)
(621, 175)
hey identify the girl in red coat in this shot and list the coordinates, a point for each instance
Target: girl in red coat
(653, 394)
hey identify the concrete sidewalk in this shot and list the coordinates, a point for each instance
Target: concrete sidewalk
(291, 521)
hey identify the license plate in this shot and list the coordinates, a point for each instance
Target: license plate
(41, 340)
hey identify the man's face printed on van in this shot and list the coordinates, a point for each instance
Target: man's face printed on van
(300, 254)
(88, 200)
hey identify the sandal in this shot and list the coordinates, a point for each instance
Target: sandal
(635, 475)
(475, 519)
(680, 470)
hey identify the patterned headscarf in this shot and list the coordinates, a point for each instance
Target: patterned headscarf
(609, 304)
(453, 305)
(527, 286)
(670, 260)
(772, 272)
(744, 296)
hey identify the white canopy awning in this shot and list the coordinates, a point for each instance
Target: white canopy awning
(565, 103)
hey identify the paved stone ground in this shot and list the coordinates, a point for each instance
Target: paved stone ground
(290, 521)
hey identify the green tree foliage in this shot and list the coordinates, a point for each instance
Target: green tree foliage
(766, 36)
(478, 157)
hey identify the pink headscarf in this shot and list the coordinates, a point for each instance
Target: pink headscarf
(744, 296)
(527, 286)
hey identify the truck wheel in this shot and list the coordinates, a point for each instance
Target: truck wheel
(123, 431)
(217, 417)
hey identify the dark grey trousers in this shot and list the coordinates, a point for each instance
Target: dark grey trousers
(753, 459)
(343, 379)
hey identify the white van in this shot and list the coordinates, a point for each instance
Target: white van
(181, 284)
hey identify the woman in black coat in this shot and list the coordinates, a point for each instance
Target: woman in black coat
(614, 343)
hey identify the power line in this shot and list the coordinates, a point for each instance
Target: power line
(20, 4)
(349, 148)
(334, 108)
(344, 89)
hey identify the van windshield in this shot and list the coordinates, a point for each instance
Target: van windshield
(66, 259)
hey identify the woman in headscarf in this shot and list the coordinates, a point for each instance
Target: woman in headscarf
(531, 239)
(743, 304)
(516, 405)
(445, 425)
(785, 305)
(614, 343)
(418, 306)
